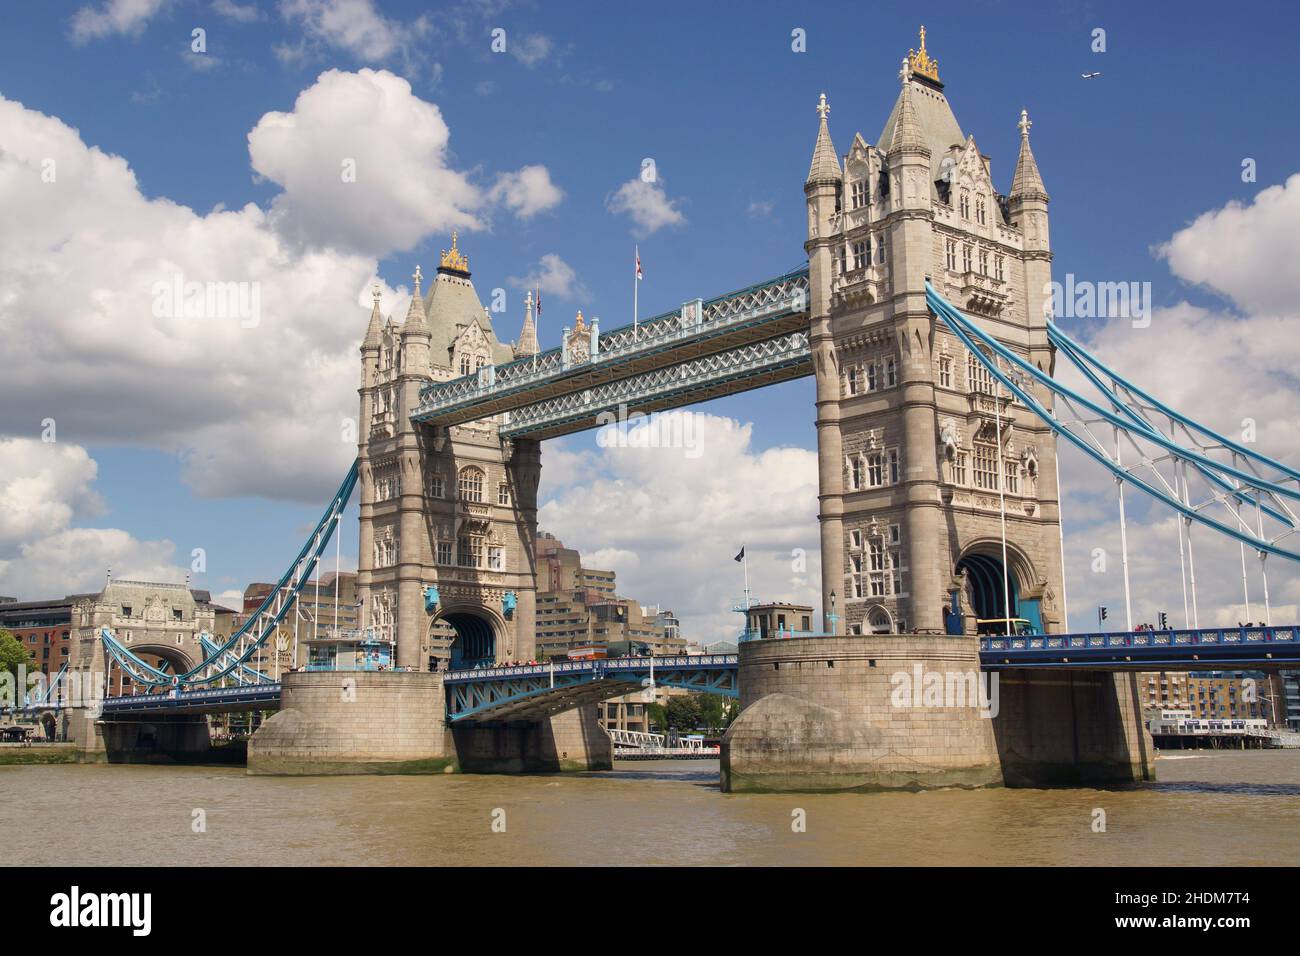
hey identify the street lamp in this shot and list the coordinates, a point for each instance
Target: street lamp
(832, 617)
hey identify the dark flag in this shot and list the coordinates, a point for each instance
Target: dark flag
(741, 556)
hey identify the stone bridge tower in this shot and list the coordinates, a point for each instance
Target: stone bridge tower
(448, 516)
(918, 453)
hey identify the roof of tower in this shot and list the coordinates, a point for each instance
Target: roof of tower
(374, 331)
(415, 314)
(907, 129)
(935, 124)
(451, 304)
(1027, 181)
(825, 163)
(527, 344)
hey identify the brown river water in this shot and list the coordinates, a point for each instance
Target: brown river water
(1209, 808)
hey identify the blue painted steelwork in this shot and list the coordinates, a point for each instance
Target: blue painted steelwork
(217, 700)
(431, 599)
(537, 690)
(763, 310)
(1207, 648)
(730, 372)
(42, 697)
(1233, 484)
(239, 648)
(242, 675)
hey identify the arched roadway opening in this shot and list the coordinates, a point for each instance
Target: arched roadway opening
(993, 596)
(475, 643)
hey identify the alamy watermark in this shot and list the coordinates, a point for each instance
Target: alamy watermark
(1083, 299)
(950, 690)
(179, 299)
(624, 429)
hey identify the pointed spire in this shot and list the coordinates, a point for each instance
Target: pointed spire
(907, 128)
(528, 335)
(1027, 183)
(415, 314)
(375, 329)
(825, 164)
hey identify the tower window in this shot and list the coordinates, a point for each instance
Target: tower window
(471, 484)
(999, 263)
(854, 380)
(965, 257)
(950, 250)
(470, 551)
(986, 467)
(965, 204)
(891, 372)
(859, 194)
(861, 254)
(435, 486)
(876, 470)
(503, 494)
(979, 211)
(945, 372)
(978, 377)
(855, 473)
(873, 380)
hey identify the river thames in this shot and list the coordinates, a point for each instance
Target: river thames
(1209, 808)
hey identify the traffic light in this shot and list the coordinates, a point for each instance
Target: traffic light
(1164, 621)
(1101, 612)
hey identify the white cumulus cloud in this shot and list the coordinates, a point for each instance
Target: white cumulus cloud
(669, 519)
(647, 204)
(113, 18)
(527, 191)
(553, 276)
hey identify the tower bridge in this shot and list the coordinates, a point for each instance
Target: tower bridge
(921, 316)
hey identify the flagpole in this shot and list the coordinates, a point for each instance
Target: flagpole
(744, 555)
(636, 282)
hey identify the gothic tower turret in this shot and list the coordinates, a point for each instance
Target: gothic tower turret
(823, 192)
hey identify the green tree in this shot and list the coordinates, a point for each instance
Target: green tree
(713, 712)
(684, 712)
(12, 654)
(658, 717)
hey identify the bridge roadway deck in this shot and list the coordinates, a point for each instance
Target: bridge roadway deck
(533, 691)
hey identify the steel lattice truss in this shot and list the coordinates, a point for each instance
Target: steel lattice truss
(230, 658)
(1207, 478)
(723, 373)
(699, 328)
(543, 690)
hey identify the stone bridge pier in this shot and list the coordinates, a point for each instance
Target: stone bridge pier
(339, 722)
(915, 712)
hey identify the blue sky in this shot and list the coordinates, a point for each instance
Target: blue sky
(714, 94)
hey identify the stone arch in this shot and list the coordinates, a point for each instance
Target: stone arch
(480, 634)
(879, 620)
(986, 595)
(177, 656)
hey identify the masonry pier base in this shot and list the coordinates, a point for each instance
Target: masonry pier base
(380, 722)
(904, 712)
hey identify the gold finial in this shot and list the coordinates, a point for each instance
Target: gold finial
(453, 258)
(823, 107)
(921, 62)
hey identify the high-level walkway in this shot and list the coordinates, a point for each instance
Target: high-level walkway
(745, 339)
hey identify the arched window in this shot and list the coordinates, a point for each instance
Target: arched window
(470, 486)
